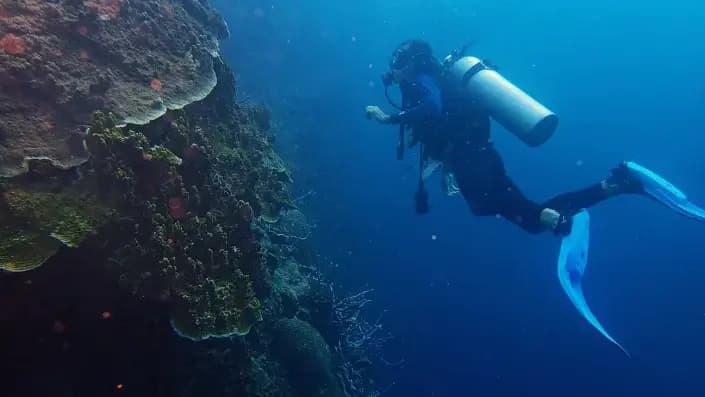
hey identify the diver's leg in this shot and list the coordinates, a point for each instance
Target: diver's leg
(512, 205)
(558, 211)
(570, 203)
(487, 189)
(619, 182)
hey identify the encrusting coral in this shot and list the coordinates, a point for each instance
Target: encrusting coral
(192, 243)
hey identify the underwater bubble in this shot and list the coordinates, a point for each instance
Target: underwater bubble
(59, 327)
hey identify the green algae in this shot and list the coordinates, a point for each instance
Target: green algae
(217, 309)
(42, 218)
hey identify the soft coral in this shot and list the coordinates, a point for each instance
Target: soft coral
(13, 44)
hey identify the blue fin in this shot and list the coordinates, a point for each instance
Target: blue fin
(664, 192)
(572, 261)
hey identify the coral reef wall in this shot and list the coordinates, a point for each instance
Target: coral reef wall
(145, 216)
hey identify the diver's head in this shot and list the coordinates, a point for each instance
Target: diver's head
(408, 59)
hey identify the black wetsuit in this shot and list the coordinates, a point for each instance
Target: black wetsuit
(458, 133)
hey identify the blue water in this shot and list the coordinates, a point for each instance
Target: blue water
(474, 302)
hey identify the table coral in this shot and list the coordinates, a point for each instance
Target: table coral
(61, 61)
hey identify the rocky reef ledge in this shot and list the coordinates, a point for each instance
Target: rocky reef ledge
(148, 240)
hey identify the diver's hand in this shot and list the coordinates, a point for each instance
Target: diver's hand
(374, 112)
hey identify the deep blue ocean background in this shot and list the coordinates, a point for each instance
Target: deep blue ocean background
(478, 310)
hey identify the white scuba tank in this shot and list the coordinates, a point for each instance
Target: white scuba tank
(511, 107)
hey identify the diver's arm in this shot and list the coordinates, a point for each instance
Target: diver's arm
(428, 107)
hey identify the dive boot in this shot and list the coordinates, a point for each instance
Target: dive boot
(622, 181)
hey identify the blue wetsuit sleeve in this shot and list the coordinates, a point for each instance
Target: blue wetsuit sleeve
(429, 105)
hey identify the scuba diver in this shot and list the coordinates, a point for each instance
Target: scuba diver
(448, 106)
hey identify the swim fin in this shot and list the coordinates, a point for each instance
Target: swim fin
(664, 192)
(572, 261)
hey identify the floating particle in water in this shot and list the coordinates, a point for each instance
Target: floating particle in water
(434, 237)
(370, 66)
(59, 327)
(579, 163)
(119, 386)
(106, 315)
(156, 85)
(354, 39)
(13, 44)
(371, 84)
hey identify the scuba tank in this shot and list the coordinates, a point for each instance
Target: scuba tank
(515, 110)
